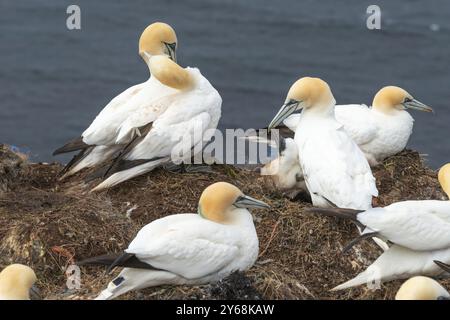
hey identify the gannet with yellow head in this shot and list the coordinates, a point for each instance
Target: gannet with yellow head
(189, 118)
(422, 288)
(335, 170)
(189, 248)
(17, 283)
(422, 225)
(99, 141)
(380, 131)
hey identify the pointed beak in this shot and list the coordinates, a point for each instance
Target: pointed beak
(249, 202)
(35, 293)
(443, 266)
(172, 48)
(417, 105)
(285, 111)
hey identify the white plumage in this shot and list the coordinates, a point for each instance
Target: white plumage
(194, 248)
(187, 120)
(399, 263)
(418, 225)
(334, 168)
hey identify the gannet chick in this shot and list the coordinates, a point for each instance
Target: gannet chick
(189, 118)
(189, 248)
(399, 263)
(422, 288)
(98, 142)
(17, 282)
(418, 225)
(335, 170)
(285, 170)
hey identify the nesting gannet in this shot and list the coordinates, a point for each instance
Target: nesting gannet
(422, 288)
(285, 170)
(98, 142)
(17, 283)
(417, 225)
(380, 131)
(335, 170)
(189, 117)
(399, 263)
(189, 248)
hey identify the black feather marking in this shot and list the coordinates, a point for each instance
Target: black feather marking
(144, 130)
(117, 281)
(76, 159)
(358, 240)
(129, 260)
(126, 260)
(340, 213)
(442, 265)
(103, 260)
(73, 145)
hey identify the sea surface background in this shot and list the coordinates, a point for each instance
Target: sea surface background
(53, 81)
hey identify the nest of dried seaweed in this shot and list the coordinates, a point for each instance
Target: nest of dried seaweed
(47, 224)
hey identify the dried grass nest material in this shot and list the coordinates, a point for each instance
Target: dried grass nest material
(47, 224)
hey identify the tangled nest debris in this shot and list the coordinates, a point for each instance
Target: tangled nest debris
(48, 224)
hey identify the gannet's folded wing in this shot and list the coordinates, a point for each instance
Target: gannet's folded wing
(338, 171)
(192, 250)
(357, 122)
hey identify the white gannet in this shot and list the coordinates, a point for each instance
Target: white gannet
(422, 288)
(422, 225)
(380, 131)
(285, 170)
(189, 248)
(399, 263)
(17, 283)
(189, 118)
(335, 170)
(98, 142)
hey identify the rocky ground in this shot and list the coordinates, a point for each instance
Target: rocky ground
(48, 224)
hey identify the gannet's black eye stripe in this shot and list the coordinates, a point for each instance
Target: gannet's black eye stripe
(408, 100)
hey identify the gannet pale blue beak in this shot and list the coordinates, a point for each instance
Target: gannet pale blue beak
(249, 202)
(416, 105)
(285, 111)
(171, 49)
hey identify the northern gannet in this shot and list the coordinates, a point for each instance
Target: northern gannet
(380, 131)
(422, 288)
(399, 263)
(17, 283)
(189, 248)
(335, 169)
(422, 225)
(189, 118)
(98, 142)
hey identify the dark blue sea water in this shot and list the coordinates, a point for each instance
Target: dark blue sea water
(54, 81)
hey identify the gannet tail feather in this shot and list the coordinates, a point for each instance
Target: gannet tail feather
(126, 260)
(65, 172)
(337, 212)
(443, 266)
(73, 145)
(360, 279)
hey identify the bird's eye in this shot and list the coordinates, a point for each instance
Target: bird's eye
(407, 100)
